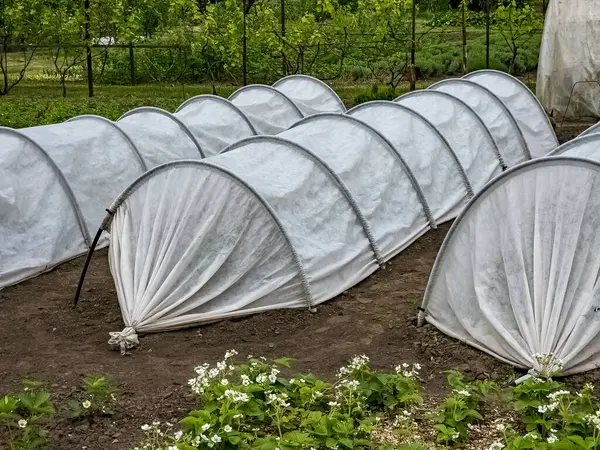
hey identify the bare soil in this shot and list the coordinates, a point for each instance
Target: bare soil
(42, 336)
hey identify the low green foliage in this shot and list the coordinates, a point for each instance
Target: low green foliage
(461, 408)
(552, 418)
(375, 93)
(34, 104)
(97, 398)
(23, 415)
(251, 406)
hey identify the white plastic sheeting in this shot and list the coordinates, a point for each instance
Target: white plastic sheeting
(311, 95)
(586, 146)
(159, 135)
(215, 122)
(569, 62)
(56, 180)
(524, 106)
(322, 205)
(497, 117)
(431, 159)
(463, 129)
(517, 274)
(345, 202)
(270, 110)
(40, 221)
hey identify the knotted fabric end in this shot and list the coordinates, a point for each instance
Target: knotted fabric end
(547, 365)
(421, 318)
(124, 340)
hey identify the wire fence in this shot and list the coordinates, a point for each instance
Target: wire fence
(351, 55)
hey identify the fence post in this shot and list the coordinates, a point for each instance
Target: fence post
(465, 61)
(131, 64)
(413, 47)
(284, 65)
(244, 47)
(487, 34)
(88, 50)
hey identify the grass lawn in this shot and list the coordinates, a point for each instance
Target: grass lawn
(41, 103)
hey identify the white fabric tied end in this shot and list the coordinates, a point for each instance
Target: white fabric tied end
(124, 340)
(421, 318)
(547, 366)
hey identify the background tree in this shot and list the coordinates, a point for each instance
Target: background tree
(220, 38)
(517, 26)
(464, 10)
(389, 24)
(22, 22)
(67, 24)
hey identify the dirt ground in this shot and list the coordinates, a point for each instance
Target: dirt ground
(565, 131)
(42, 336)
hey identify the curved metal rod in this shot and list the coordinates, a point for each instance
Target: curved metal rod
(428, 124)
(269, 88)
(591, 130)
(497, 101)
(486, 131)
(316, 80)
(388, 145)
(571, 96)
(220, 100)
(137, 153)
(183, 126)
(329, 171)
(214, 167)
(522, 85)
(61, 179)
(574, 143)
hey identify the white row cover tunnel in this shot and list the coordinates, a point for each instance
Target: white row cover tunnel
(56, 180)
(517, 275)
(293, 220)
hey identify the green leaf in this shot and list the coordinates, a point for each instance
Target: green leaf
(8, 405)
(234, 439)
(565, 445)
(285, 362)
(37, 403)
(581, 443)
(349, 443)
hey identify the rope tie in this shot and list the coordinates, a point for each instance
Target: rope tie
(123, 340)
(545, 366)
